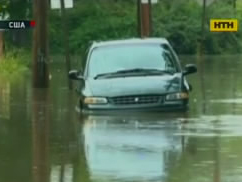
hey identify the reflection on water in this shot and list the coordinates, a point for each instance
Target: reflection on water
(40, 135)
(130, 150)
(43, 139)
(228, 101)
(4, 99)
(207, 126)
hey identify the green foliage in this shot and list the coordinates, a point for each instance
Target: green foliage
(90, 21)
(15, 62)
(180, 23)
(226, 42)
(93, 20)
(4, 4)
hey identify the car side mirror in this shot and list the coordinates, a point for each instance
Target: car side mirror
(189, 69)
(75, 75)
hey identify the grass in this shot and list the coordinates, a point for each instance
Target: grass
(16, 61)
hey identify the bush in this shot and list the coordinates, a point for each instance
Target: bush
(15, 61)
(180, 23)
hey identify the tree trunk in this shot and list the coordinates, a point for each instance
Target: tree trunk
(2, 51)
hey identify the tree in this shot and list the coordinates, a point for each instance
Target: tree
(19, 38)
(3, 15)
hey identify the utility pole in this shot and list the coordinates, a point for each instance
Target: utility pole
(144, 8)
(201, 45)
(40, 45)
(66, 40)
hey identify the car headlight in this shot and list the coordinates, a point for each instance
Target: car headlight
(177, 96)
(95, 100)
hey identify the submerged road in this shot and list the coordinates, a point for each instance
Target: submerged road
(43, 139)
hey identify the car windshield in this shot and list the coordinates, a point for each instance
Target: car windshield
(109, 59)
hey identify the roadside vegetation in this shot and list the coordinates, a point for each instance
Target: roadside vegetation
(178, 21)
(15, 62)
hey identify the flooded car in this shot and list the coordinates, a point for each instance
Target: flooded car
(58, 144)
(140, 74)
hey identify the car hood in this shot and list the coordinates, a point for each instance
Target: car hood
(139, 85)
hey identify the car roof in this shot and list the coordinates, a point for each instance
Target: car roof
(130, 41)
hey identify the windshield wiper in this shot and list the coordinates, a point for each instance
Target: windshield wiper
(135, 70)
(146, 70)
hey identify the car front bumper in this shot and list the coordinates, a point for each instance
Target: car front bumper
(180, 105)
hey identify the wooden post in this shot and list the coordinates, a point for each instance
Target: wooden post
(2, 51)
(66, 40)
(145, 19)
(40, 45)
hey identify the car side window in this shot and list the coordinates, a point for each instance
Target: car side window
(170, 56)
(169, 65)
(84, 59)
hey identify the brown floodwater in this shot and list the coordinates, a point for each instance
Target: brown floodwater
(43, 138)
